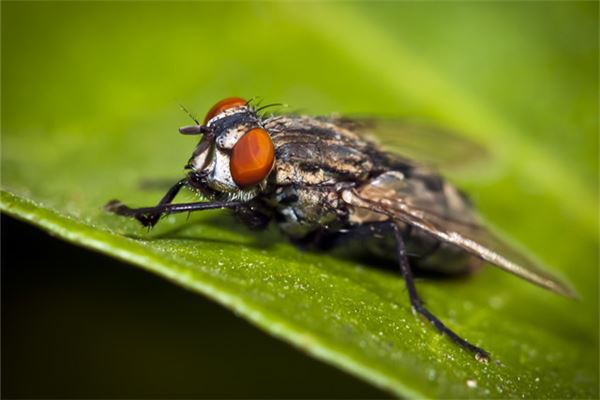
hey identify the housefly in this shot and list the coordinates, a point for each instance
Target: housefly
(321, 178)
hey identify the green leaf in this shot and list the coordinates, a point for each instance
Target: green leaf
(89, 109)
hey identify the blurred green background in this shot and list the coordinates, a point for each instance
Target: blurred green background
(80, 79)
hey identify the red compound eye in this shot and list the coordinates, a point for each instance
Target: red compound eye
(225, 104)
(252, 158)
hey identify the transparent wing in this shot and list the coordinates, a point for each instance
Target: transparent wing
(425, 144)
(392, 195)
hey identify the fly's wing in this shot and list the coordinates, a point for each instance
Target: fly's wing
(425, 144)
(393, 195)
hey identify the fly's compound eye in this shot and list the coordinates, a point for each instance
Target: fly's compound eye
(252, 158)
(225, 104)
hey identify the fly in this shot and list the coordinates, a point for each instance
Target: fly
(324, 182)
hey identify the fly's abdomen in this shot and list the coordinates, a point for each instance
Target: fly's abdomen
(376, 241)
(394, 197)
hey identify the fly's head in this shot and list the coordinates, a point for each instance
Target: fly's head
(235, 155)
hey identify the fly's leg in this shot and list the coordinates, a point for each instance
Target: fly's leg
(145, 214)
(146, 218)
(417, 303)
(149, 216)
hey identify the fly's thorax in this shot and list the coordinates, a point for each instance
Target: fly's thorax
(303, 209)
(315, 151)
(212, 162)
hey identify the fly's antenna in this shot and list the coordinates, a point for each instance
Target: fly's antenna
(185, 110)
(193, 129)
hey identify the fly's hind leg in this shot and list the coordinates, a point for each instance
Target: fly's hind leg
(417, 303)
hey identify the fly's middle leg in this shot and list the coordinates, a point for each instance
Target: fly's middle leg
(417, 303)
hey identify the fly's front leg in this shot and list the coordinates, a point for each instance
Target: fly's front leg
(417, 303)
(146, 218)
(145, 213)
(149, 216)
